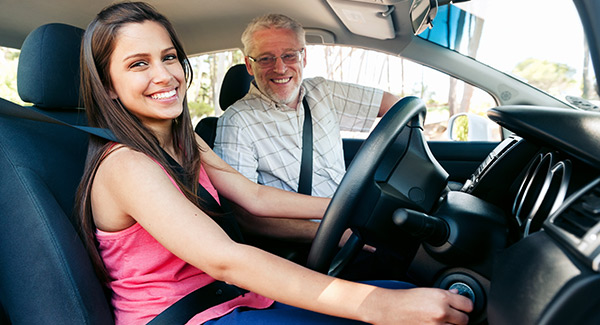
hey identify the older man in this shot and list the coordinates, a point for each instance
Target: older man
(261, 134)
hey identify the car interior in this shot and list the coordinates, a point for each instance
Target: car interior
(515, 230)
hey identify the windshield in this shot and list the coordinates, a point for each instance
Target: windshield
(541, 43)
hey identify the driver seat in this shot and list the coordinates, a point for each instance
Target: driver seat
(46, 275)
(236, 84)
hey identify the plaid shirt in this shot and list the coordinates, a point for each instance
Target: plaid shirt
(263, 140)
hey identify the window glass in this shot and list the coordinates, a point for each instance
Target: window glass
(209, 69)
(441, 93)
(9, 59)
(546, 48)
(444, 96)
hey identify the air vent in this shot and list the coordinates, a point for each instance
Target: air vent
(577, 223)
(582, 215)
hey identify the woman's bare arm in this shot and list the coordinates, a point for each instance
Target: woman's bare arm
(259, 200)
(135, 188)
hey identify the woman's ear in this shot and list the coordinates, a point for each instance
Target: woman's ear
(112, 94)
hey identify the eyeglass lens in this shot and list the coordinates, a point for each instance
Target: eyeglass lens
(287, 58)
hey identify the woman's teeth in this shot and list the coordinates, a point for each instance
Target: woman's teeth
(164, 95)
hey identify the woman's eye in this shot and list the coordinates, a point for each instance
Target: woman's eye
(138, 64)
(170, 57)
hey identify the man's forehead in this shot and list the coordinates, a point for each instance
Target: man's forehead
(275, 41)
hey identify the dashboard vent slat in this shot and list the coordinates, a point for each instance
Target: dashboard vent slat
(582, 215)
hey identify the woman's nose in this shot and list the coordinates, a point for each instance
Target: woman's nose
(161, 74)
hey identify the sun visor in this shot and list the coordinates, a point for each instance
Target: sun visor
(370, 18)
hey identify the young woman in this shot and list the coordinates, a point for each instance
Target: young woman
(149, 208)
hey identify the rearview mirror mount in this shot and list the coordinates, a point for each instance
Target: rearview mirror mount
(422, 13)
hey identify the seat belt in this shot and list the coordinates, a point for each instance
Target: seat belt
(185, 308)
(30, 113)
(306, 164)
(197, 301)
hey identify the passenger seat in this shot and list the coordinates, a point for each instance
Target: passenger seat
(45, 273)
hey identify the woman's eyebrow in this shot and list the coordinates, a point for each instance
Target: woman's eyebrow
(169, 49)
(138, 55)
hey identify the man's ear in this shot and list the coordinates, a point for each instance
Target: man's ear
(248, 66)
(304, 58)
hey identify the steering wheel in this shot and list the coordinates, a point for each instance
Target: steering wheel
(388, 172)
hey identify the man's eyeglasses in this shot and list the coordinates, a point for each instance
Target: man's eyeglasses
(267, 61)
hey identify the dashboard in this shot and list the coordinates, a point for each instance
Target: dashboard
(549, 273)
(544, 183)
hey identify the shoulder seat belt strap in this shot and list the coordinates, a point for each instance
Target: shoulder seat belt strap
(306, 164)
(30, 113)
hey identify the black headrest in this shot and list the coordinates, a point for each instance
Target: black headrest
(235, 85)
(48, 71)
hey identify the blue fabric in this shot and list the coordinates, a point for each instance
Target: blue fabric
(48, 71)
(284, 314)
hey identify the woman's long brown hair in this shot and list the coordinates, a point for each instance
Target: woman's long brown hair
(104, 112)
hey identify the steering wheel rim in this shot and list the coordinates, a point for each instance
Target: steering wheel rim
(359, 175)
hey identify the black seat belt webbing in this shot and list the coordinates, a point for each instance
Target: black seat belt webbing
(30, 113)
(306, 164)
(199, 300)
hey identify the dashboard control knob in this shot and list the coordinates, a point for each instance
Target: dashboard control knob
(463, 290)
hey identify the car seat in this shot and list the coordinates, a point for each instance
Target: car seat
(236, 84)
(46, 275)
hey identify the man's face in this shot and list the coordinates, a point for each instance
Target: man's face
(278, 80)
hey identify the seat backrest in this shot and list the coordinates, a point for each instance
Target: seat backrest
(236, 84)
(45, 273)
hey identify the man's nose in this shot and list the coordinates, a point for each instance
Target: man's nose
(280, 66)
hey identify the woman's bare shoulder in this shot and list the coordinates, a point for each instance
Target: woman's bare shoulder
(125, 158)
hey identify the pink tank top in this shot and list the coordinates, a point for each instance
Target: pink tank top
(147, 278)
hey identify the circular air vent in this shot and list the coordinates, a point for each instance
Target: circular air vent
(542, 191)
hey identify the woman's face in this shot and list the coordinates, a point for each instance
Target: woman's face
(146, 74)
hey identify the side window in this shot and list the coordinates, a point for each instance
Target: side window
(9, 59)
(209, 70)
(455, 110)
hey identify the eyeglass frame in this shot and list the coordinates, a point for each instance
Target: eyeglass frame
(273, 58)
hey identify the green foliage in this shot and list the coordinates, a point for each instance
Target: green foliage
(208, 71)
(200, 109)
(9, 59)
(554, 78)
(461, 128)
